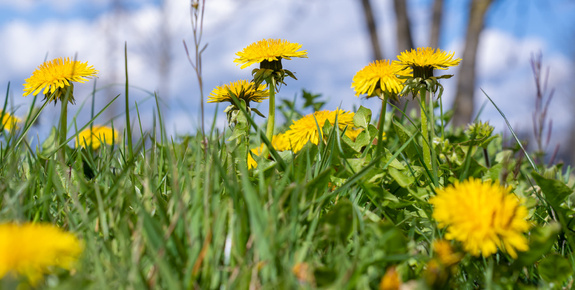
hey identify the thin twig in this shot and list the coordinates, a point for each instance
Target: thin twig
(197, 21)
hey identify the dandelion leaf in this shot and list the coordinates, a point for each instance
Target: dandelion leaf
(555, 191)
(362, 117)
(555, 268)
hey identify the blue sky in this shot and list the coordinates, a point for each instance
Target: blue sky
(331, 30)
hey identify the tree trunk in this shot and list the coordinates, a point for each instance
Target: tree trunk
(463, 103)
(372, 29)
(404, 39)
(435, 23)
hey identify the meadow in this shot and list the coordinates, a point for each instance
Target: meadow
(376, 198)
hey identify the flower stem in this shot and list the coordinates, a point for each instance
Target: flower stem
(433, 157)
(63, 129)
(272, 108)
(424, 131)
(380, 126)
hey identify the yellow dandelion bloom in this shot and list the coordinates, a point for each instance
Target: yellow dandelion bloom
(305, 129)
(98, 136)
(381, 74)
(445, 253)
(483, 216)
(32, 250)
(390, 281)
(268, 50)
(58, 74)
(278, 143)
(303, 272)
(9, 121)
(427, 57)
(242, 89)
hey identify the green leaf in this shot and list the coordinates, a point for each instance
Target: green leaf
(555, 268)
(312, 100)
(320, 182)
(50, 144)
(257, 112)
(555, 191)
(362, 117)
(362, 139)
(403, 178)
(541, 240)
(337, 224)
(404, 136)
(324, 276)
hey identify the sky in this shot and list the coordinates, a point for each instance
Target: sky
(332, 31)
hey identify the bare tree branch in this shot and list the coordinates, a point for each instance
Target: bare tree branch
(436, 23)
(372, 29)
(463, 103)
(404, 38)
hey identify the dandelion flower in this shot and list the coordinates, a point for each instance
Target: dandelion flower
(96, 137)
(242, 89)
(303, 272)
(56, 76)
(9, 121)
(428, 57)
(445, 253)
(306, 129)
(483, 216)
(382, 75)
(32, 250)
(391, 280)
(424, 60)
(268, 51)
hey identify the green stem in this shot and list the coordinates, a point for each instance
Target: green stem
(431, 139)
(380, 127)
(272, 108)
(63, 128)
(424, 131)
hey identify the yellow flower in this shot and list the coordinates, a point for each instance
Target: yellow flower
(269, 50)
(32, 250)
(98, 136)
(9, 121)
(381, 74)
(305, 129)
(56, 75)
(483, 216)
(427, 57)
(444, 253)
(242, 89)
(303, 273)
(278, 143)
(390, 281)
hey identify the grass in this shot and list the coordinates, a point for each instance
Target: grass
(179, 212)
(185, 212)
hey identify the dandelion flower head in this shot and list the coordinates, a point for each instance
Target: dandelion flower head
(32, 250)
(380, 74)
(96, 137)
(58, 73)
(9, 121)
(444, 253)
(242, 89)
(391, 280)
(269, 50)
(483, 216)
(427, 57)
(306, 129)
